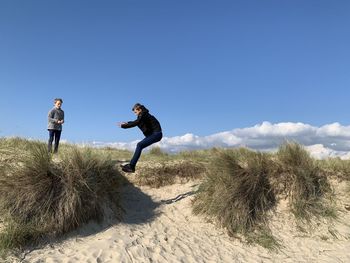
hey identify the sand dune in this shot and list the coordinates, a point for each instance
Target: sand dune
(158, 226)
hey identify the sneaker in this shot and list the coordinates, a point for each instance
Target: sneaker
(128, 168)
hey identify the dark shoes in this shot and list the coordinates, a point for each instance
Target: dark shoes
(128, 168)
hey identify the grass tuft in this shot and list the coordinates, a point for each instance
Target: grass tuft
(303, 182)
(242, 187)
(169, 172)
(336, 168)
(236, 191)
(157, 151)
(44, 195)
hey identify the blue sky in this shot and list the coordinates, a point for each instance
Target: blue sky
(201, 67)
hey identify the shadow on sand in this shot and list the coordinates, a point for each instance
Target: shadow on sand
(137, 208)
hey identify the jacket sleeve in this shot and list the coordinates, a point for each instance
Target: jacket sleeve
(131, 124)
(50, 116)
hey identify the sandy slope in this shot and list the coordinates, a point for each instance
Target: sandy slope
(158, 226)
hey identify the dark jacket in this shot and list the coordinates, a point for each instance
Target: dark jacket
(147, 123)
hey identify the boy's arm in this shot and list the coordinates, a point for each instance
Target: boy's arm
(62, 121)
(51, 115)
(131, 124)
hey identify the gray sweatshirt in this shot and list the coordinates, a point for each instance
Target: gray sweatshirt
(54, 116)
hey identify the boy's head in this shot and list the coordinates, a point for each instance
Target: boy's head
(58, 103)
(137, 109)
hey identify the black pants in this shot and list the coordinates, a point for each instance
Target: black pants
(54, 134)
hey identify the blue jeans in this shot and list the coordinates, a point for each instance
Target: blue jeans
(54, 134)
(153, 138)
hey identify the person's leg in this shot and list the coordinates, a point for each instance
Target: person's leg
(57, 140)
(155, 137)
(51, 136)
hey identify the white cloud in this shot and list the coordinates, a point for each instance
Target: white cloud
(320, 152)
(267, 129)
(334, 130)
(330, 140)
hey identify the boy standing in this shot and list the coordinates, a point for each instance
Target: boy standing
(55, 121)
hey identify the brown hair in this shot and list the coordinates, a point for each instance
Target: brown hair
(137, 106)
(58, 99)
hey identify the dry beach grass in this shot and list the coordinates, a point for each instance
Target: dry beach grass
(202, 206)
(45, 196)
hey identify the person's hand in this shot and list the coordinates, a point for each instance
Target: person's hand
(121, 123)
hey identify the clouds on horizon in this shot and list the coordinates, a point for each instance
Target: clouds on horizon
(330, 140)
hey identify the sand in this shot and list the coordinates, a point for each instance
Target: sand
(158, 226)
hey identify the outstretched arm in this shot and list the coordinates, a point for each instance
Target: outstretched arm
(130, 124)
